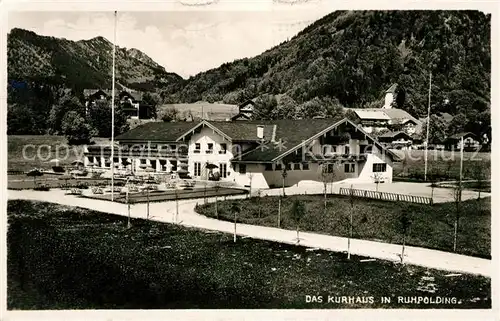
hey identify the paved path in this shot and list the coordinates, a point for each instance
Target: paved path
(165, 212)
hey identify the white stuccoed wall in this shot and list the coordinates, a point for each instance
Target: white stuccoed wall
(205, 137)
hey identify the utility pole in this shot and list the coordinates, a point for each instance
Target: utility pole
(459, 196)
(279, 211)
(428, 122)
(113, 117)
(147, 195)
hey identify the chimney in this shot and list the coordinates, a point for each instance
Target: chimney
(273, 137)
(260, 131)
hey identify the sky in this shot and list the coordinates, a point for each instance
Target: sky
(184, 42)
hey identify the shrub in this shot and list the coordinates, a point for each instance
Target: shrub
(44, 188)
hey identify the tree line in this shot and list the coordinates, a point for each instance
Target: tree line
(39, 109)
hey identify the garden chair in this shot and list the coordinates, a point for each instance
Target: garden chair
(97, 190)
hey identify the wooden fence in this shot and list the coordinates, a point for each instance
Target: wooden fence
(386, 196)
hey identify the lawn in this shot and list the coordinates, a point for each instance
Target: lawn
(432, 226)
(43, 149)
(69, 258)
(444, 165)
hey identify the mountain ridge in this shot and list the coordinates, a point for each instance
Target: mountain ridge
(354, 56)
(83, 64)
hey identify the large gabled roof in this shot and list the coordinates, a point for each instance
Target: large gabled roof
(394, 134)
(294, 134)
(460, 135)
(371, 114)
(157, 131)
(281, 137)
(243, 130)
(400, 115)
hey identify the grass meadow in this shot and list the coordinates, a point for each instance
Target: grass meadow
(443, 165)
(69, 258)
(431, 226)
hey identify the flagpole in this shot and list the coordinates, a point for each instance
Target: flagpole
(113, 116)
(428, 122)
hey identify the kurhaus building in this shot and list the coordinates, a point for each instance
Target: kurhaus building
(252, 153)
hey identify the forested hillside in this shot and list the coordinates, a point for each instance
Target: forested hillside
(351, 58)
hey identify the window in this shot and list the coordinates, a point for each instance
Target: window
(153, 146)
(347, 150)
(349, 168)
(210, 148)
(223, 148)
(197, 147)
(329, 149)
(143, 161)
(268, 167)
(197, 169)
(174, 165)
(296, 167)
(305, 166)
(243, 168)
(163, 165)
(288, 166)
(328, 168)
(381, 167)
(278, 167)
(173, 148)
(223, 170)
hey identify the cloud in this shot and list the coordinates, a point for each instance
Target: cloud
(185, 43)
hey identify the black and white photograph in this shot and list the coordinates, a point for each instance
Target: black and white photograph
(297, 156)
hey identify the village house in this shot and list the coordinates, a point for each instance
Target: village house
(245, 110)
(252, 153)
(395, 127)
(470, 141)
(130, 102)
(373, 120)
(396, 140)
(387, 117)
